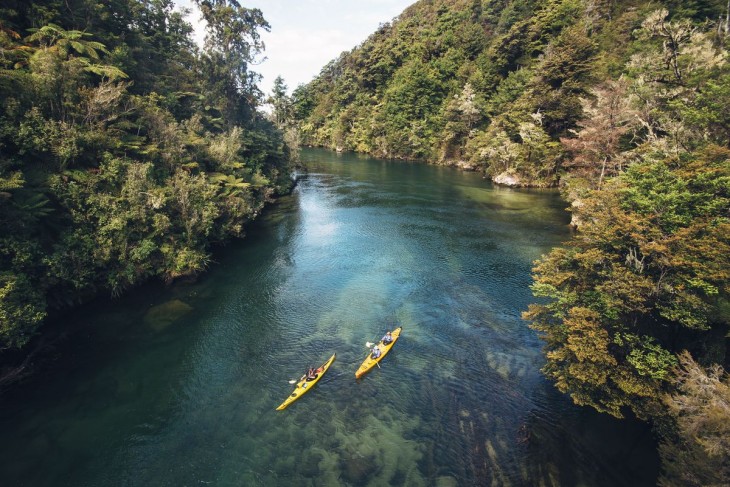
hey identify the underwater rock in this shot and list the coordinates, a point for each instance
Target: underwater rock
(446, 481)
(163, 315)
(310, 464)
(357, 469)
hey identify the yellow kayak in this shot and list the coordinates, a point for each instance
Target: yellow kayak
(304, 385)
(370, 362)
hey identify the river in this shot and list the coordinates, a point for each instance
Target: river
(178, 385)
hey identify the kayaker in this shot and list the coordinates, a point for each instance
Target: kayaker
(311, 374)
(375, 351)
(387, 338)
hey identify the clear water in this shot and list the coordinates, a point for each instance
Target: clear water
(176, 386)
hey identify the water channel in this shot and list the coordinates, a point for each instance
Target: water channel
(178, 385)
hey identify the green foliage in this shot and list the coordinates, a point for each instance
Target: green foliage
(650, 188)
(126, 151)
(21, 310)
(653, 248)
(397, 94)
(508, 91)
(66, 42)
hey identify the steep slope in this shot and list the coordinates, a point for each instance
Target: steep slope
(490, 85)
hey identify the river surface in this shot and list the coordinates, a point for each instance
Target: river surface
(178, 385)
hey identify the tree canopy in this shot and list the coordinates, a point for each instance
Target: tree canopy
(125, 150)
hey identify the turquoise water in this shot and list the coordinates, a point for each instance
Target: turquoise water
(175, 386)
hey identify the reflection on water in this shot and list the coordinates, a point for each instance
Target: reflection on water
(178, 386)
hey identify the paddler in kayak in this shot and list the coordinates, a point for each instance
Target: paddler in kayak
(377, 352)
(311, 374)
(387, 338)
(303, 386)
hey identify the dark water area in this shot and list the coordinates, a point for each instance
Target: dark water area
(178, 385)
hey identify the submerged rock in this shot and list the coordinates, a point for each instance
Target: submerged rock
(357, 469)
(163, 315)
(310, 464)
(446, 481)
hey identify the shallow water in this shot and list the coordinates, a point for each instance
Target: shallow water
(176, 386)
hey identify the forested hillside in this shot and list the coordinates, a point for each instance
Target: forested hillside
(624, 105)
(125, 150)
(494, 85)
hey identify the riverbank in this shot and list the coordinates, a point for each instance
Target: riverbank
(19, 364)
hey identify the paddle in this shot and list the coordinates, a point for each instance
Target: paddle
(294, 381)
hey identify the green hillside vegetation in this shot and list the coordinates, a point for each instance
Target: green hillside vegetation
(490, 85)
(624, 105)
(125, 151)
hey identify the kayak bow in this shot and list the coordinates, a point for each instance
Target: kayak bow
(304, 385)
(370, 362)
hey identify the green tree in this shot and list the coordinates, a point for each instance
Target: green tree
(280, 103)
(125, 152)
(22, 309)
(232, 42)
(647, 271)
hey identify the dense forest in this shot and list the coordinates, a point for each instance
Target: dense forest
(126, 151)
(624, 106)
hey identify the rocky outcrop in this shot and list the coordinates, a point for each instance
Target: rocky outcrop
(575, 220)
(508, 179)
(464, 165)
